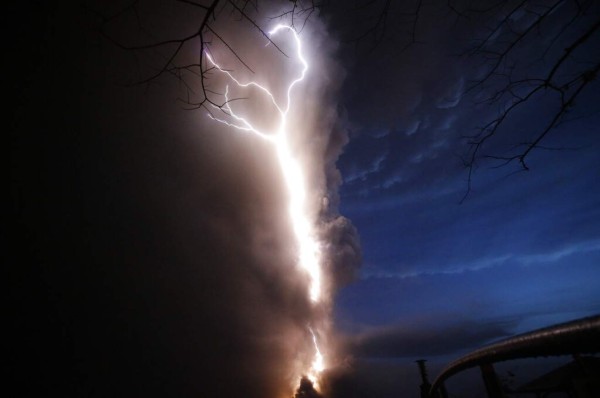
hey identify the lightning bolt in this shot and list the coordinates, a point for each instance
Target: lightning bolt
(317, 365)
(309, 250)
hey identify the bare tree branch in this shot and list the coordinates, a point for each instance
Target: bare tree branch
(523, 91)
(197, 93)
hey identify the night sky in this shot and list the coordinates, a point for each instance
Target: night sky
(147, 252)
(441, 277)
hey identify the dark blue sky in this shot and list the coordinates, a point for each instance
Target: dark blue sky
(513, 247)
(522, 251)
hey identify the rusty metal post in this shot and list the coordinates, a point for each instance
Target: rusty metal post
(491, 381)
(442, 390)
(425, 384)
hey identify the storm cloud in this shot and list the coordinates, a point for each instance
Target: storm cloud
(152, 250)
(436, 339)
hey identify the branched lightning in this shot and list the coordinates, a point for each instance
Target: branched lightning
(309, 257)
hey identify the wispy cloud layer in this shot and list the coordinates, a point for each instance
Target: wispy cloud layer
(488, 262)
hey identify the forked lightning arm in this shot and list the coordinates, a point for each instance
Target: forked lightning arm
(295, 181)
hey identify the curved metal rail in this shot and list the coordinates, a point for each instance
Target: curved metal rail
(576, 337)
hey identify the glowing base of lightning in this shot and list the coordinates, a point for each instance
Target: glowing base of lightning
(317, 365)
(309, 249)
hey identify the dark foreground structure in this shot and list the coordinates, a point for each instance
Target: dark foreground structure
(572, 338)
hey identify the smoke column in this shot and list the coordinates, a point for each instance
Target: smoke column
(325, 243)
(155, 252)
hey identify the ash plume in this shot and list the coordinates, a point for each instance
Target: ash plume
(316, 137)
(153, 247)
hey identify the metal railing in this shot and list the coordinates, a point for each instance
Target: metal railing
(581, 336)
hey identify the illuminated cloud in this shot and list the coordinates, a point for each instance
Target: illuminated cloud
(374, 167)
(428, 339)
(451, 98)
(412, 128)
(325, 242)
(463, 266)
(168, 254)
(559, 254)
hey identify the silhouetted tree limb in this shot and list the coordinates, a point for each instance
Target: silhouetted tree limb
(193, 76)
(565, 83)
(302, 10)
(387, 13)
(508, 79)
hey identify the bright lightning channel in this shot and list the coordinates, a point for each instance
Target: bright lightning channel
(317, 365)
(309, 248)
